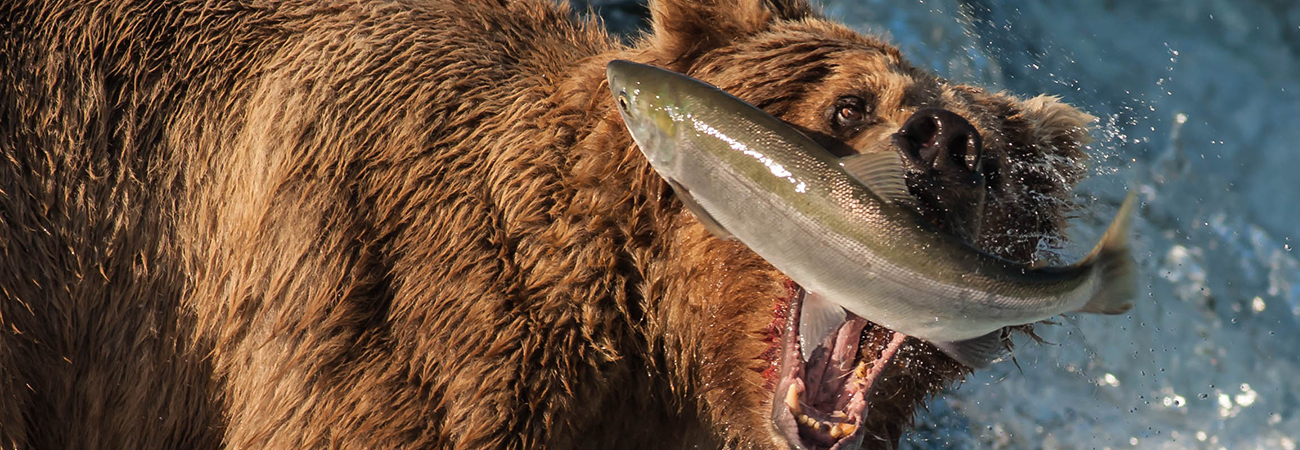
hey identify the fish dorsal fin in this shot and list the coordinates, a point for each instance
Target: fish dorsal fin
(703, 216)
(882, 172)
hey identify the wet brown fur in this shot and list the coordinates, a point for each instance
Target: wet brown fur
(411, 224)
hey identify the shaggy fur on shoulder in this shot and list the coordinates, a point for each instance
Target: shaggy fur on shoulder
(417, 224)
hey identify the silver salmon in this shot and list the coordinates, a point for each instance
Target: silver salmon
(846, 228)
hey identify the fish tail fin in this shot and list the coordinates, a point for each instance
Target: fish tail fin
(1115, 266)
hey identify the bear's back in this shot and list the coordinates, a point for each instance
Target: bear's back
(180, 179)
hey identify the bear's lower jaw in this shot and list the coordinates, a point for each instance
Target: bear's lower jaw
(821, 402)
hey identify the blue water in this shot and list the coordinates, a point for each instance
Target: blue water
(1199, 111)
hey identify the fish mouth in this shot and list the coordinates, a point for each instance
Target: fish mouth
(822, 395)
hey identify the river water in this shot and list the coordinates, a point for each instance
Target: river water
(1199, 110)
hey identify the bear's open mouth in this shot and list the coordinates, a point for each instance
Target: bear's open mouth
(822, 394)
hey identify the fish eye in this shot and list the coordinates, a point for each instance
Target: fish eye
(622, 101)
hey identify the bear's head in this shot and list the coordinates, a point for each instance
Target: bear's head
(990, 167)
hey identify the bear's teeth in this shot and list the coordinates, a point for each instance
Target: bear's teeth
(792, 400)
(835, 430)
(861, 370)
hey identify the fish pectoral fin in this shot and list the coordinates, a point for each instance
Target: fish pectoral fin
(978, 352)
(881, 172)
(818, 318)
(703, 216)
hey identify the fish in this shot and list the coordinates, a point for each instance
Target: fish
(846, 228)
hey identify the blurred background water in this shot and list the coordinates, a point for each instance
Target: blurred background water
(1199, 110)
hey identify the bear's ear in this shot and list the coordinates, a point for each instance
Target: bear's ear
(684, 29)
(1059, 128)
(1057, 123)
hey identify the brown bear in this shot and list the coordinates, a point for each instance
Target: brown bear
(421, 224)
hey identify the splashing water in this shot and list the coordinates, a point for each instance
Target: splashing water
(1198, 112)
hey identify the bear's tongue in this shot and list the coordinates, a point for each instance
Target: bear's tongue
(827, 369)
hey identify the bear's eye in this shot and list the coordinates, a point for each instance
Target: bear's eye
(850, 113)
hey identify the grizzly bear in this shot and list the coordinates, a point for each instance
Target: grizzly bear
(422, 224)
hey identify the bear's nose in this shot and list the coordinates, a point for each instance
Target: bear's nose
(940, 139)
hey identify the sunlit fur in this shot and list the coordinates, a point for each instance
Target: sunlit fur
(411, 224)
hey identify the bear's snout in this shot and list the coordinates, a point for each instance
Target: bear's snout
(941, 140)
